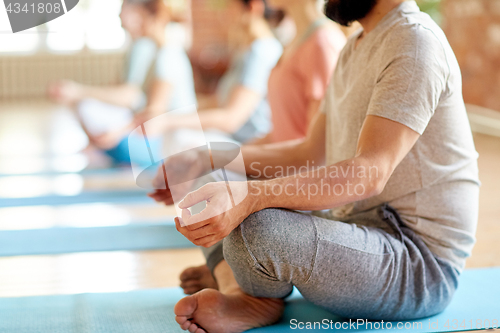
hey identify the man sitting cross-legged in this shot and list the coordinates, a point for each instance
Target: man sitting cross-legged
(399, 181)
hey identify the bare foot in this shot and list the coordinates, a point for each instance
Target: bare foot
(210, 311)
(194, 279)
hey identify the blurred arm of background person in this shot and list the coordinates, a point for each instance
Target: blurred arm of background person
(71, 93)
(228, 118)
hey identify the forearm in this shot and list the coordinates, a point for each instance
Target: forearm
(261, 141)
(223, 119)
(323, 188)
(122, 95)
(286, 158)
(280, 159)
(208, 119)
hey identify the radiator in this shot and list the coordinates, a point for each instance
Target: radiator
(26, 77)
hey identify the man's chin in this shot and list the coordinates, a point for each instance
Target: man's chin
(344, 13)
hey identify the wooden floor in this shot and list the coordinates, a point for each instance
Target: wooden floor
(123, 271)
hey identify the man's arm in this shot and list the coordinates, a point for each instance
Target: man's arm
(382, 145)
(268, 160)
(265, 161)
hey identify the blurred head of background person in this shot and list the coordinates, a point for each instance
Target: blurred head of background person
(298, 82)
(157, 78)
(239, 107)
(148, 18)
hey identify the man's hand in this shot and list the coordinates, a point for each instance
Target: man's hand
(219, 217)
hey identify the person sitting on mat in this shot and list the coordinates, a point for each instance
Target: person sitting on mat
(298, 82)
(240, 106)
(158, 78)
(396, 199)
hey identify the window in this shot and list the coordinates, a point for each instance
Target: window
(92, 24)
(25, 41)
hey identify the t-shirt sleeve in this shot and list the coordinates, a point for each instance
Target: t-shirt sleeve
(259, 62)
(410, 86)
(171, 64)
(140, 59)
(319, 63)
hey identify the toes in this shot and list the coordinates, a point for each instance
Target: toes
(183, 322)
(190, 291)
(193, 328)
(190, 273)
(200, 330)
(190, 284)
(186, 306)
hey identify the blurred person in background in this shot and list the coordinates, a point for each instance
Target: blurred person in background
(298, 82)
(158, 77)
(241, 108)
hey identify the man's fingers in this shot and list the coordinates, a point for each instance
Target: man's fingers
(194, 222)
(194, 197)
(198, 237)
(162, 196)
(179, 227)
(209, 240)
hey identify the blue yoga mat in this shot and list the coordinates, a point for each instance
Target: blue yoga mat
(136, 236)
(151, 311)
(114, 196)
(86, 171)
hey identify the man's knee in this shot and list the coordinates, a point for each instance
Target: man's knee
(254, 233)
(272, 235)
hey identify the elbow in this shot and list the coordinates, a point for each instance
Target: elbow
(375, 186)
(374, 176)
(375, 180)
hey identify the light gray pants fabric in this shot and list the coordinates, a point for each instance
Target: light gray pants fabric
(353, 270)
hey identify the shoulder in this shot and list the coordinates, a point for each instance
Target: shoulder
(419, 38)
(325, 44)
(266, 47)
(416, 35)
(330, 36)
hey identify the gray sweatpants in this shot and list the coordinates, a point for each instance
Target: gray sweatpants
(378, 270)
(370, 266)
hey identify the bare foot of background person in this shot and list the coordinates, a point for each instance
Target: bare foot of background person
(210, 311)
(194, 279)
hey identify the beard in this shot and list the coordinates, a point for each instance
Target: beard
(344, 12)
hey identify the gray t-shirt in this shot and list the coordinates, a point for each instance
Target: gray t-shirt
(405, 70)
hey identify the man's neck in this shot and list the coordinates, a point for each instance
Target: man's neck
(382, 8)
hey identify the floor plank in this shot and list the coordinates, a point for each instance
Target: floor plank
(94, 272)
